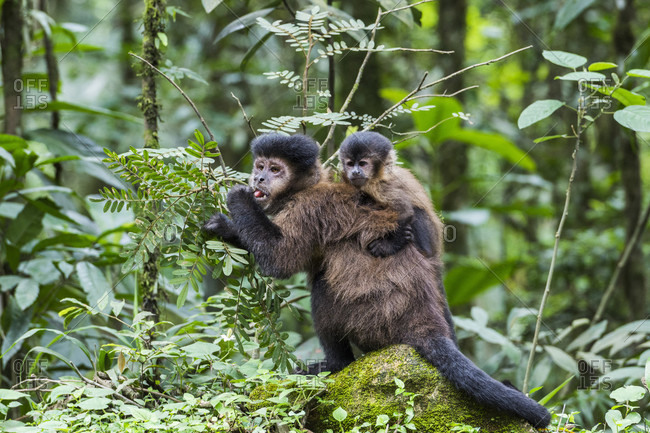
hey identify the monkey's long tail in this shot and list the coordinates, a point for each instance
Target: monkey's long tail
(443, 354)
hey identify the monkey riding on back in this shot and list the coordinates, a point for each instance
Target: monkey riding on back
(326, 230)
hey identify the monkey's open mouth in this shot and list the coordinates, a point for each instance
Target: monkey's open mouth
(259, 194)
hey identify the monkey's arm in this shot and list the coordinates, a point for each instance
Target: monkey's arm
(394, 241)
(424, 233)
(221, 226)
(280, 251)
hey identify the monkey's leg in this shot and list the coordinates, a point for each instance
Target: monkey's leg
(447, 312)
(443, 354)
(338, 353)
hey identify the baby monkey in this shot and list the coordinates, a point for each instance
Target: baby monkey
(368, 163)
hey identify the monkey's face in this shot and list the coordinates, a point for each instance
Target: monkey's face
(269, 179)
(358, 171)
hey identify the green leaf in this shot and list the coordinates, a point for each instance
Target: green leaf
(97, 403)
(210, 5)
(562, 58)
(635, 117)
(624, 96)
(592, 333)
(562, 359)
(243, 22)
(601, 66)
(569, 11)
(537, 111)
(470, 280)
(647, 373)
(549, 137)
(26, 293)
(612, 417)
(640, 73)
(340, 414)
(551, 394)
(93, 281)
(582, 76)
(69, 106)
(202, 350)
(68, 47)
(498, 144)
(628, 393)
(382, 420)
(10, 394)
(26, 226)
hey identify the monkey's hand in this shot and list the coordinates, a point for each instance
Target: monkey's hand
(393, 242)
(221, 226)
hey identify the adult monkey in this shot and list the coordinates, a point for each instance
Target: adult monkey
(315, 227)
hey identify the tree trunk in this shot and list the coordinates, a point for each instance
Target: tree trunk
(154, 23)
(11, 39)
(452, 27)
(52, 69)
(633, 277)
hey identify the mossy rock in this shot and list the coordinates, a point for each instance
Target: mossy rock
(366, 389)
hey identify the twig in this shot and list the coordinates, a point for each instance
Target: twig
(248, 121)
(406, 7)
(156, 393)
(558, 233)
(196, 110)
(440, 80)
(288, 8)
(442, 95)
(622, 261)
(355, 86)
(99, 385)
(413, 134)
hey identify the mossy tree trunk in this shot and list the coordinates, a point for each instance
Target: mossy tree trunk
(154, 25)
(11, 39)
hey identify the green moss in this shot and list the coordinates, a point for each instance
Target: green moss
(366, 389)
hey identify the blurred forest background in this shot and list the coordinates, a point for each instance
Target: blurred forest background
(500, 192)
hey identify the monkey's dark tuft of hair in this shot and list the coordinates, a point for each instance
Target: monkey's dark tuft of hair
(359, 144)
(298, 150)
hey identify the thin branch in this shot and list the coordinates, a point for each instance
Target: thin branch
(99, 385)
(406, 7)
(288, 8)
(442, 95)
(622, 261)
(187, 98)
(246, 118)
(549, 279)
(413, 134)
(440, 80)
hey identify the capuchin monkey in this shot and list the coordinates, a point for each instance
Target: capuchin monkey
(320, 227)
(367, 162)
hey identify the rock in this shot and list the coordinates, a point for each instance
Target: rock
(366, 389)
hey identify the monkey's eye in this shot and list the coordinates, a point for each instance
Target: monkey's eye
(260, 167)
(275, 169)
(350, 163)
(363, 163)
